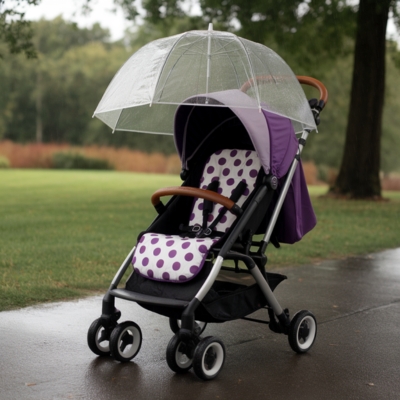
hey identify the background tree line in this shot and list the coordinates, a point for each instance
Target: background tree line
(52, 98)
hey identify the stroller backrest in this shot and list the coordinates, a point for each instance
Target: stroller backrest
(224, 172)
(180, 257)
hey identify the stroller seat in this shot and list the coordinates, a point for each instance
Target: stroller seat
(179, 258)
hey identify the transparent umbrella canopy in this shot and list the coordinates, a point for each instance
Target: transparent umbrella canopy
(145, 93)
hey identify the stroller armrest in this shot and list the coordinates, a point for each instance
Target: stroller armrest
(195, 192)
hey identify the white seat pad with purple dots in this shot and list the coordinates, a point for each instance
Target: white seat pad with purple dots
(178, 259)
(229, 167)
(170, 258)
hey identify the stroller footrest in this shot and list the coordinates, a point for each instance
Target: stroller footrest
(147, 299)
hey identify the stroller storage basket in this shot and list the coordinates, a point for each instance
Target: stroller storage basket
(225, 301)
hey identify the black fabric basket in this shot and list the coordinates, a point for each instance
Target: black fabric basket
(225, 301)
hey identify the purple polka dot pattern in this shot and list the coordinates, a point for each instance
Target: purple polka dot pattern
(173, 259)
(231, 166)
(176, 259)
(165, 276)
(176, 265)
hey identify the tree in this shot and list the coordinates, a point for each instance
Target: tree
(309, 33)
(314, 31)
(15, 31)
(359, 171)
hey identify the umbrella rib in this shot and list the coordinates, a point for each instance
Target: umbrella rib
(233, 64)
(226, 44)
(251, 69)
(116, 123)
(162, 69)
(158, 78)
(272, 75)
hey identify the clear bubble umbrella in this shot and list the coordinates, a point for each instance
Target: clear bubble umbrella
(145, 93)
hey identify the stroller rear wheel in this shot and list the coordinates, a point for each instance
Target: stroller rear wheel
(209, 358)
(302, 331)
(98, 337)
(125, 341)
(180, 354)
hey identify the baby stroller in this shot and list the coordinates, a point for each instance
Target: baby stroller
(242, 178)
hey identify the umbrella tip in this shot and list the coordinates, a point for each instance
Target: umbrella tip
(210, 26)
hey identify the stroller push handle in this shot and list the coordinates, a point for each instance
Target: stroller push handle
(304, 80)
(195, 192)
(323, 92)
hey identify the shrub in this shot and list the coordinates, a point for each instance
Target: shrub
(69, 160)
(4, 163)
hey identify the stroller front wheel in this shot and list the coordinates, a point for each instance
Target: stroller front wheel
(179, 355)
(302, 331)
(125, 341)
(98, 337)
(209, 358)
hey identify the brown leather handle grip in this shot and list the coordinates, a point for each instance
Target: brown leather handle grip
(191, 192)
(304, 80)
(323, 92)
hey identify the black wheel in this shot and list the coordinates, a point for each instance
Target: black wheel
(180, 355)
(98, 337)
(125, 341)
(302, 331)
(208, 358)
(175, 325)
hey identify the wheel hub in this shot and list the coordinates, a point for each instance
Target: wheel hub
(209, 358)
(304, 331)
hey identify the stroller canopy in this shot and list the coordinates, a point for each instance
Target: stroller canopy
(202, 129)
(211, 126)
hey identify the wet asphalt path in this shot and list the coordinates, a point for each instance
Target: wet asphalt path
(44, 354)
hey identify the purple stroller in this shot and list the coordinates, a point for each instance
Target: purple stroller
(242, 177)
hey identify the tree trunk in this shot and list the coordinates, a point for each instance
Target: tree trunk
(359, 171)
(39, 107)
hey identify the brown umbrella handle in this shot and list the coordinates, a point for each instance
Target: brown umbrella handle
(195, 192)
(305, 80)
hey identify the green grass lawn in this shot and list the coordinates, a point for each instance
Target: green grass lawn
(64, 234)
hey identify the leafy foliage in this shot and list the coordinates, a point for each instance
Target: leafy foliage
(61, 88)
(15, 31)
(59, 91)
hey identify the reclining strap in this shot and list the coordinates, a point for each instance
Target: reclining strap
(236, 194)
(201, 231)
(208, 205)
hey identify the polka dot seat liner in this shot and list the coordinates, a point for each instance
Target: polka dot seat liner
(173, 258)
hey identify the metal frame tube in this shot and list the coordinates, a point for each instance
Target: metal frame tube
(262, 283)
(210, 279)
(122, 269)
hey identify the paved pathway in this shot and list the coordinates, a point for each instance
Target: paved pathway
(356, 355)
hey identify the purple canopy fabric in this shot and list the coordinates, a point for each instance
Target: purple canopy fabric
(213, 125)
(297, 216)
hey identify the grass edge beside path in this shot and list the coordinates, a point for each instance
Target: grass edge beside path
(64, 234)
